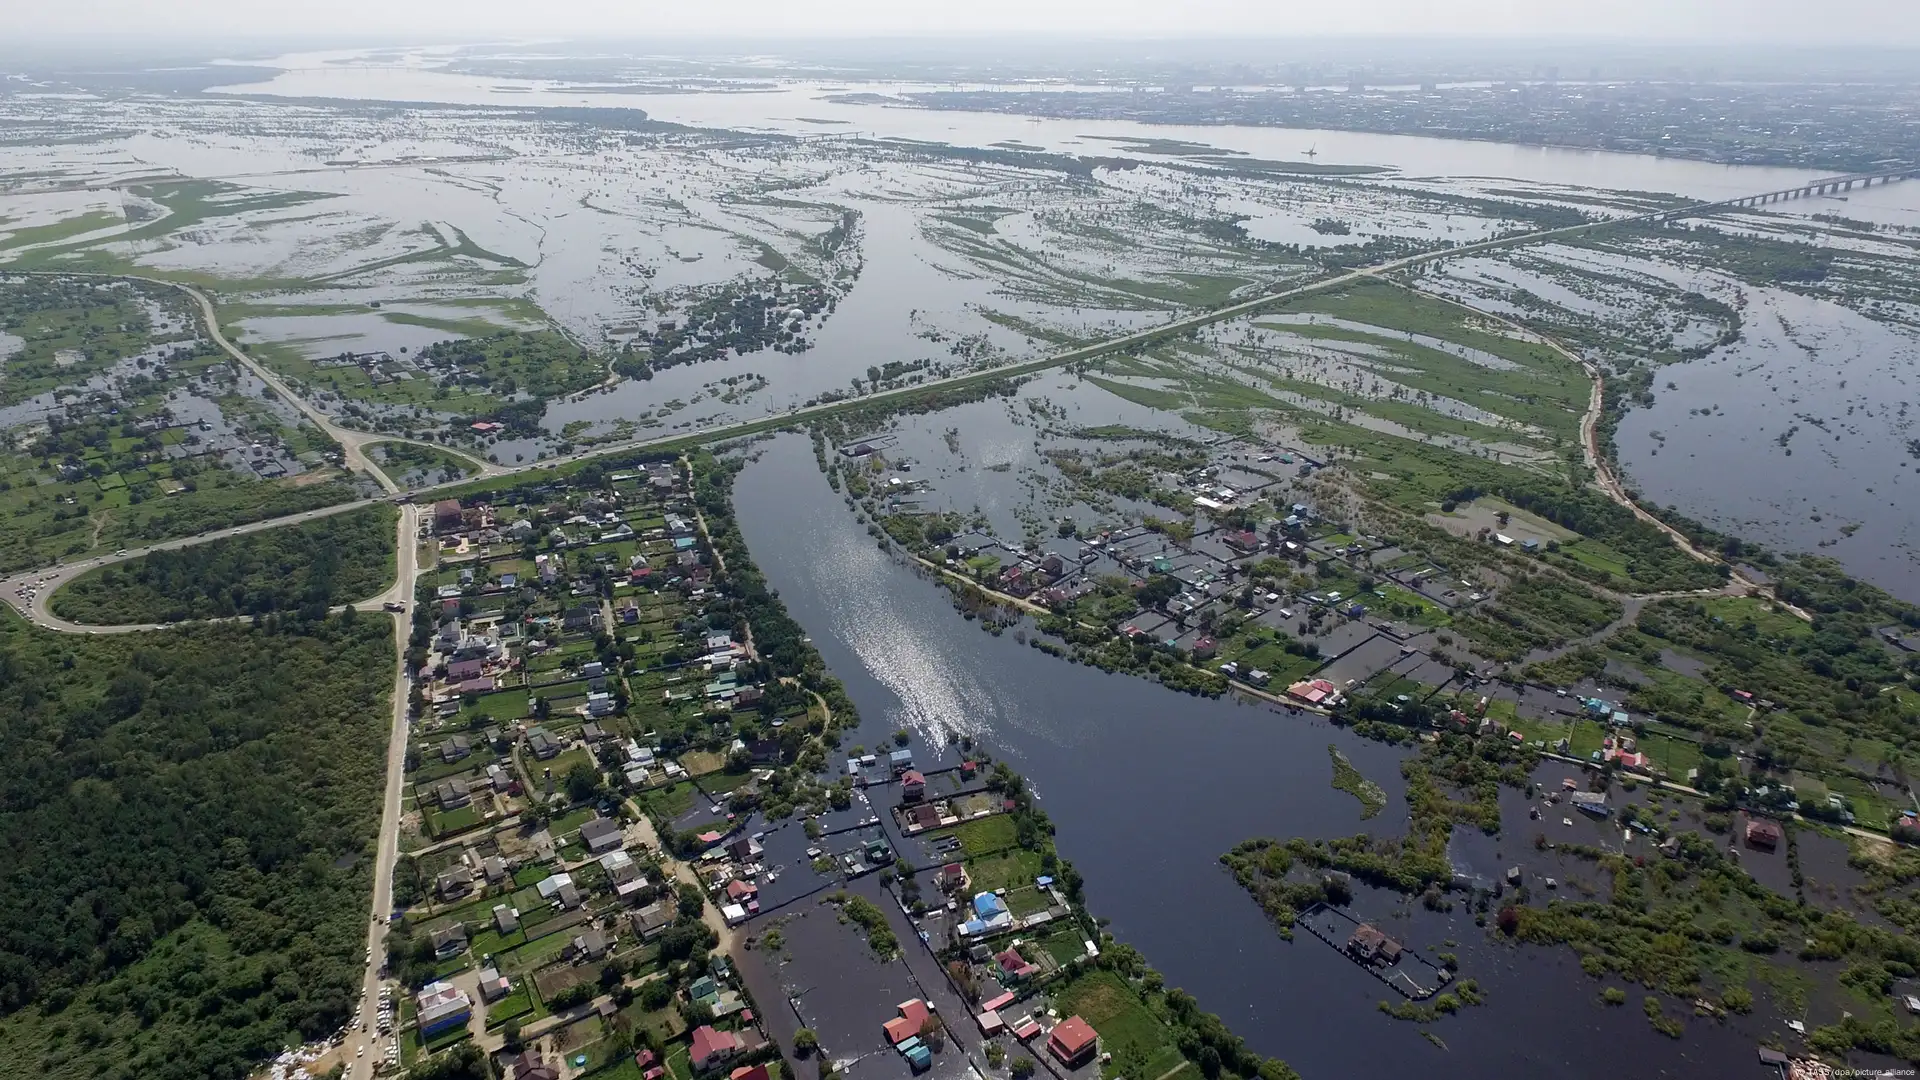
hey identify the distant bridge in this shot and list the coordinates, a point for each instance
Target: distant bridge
(1805, 191)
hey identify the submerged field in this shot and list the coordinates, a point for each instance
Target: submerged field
(590, 274)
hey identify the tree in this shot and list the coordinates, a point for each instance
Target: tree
(583, 782)
(692, 900)
(805, 1042)
(510, 1033)
(1022, 1067)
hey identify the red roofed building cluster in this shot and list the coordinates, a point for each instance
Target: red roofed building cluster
(1314, 692)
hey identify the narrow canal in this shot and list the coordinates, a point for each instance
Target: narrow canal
(1148, 787)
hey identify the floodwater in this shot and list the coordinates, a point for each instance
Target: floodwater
(797, 107)
(1828, 381)
(1799, 436)
(1148, 787)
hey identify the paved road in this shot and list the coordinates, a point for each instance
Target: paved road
(45, 581)
(387, 846)
(352, 443)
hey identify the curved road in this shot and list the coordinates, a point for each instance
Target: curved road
(30, 590)
(1608, 480)
(353, 442)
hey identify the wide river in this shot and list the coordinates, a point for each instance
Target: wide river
(803, 108)
(1148, 787)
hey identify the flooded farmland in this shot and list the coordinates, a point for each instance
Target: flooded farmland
(529, 267)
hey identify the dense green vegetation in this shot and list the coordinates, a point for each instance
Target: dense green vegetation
(186, 816)
(43, 526)
(1373, 798)
(871, 920)
(543, 363)
(781, 641)
(312, 566)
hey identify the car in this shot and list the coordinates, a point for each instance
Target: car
(122, 553)
(394, 606)
(360, 1051)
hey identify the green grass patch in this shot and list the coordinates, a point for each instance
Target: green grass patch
(1141, 1044)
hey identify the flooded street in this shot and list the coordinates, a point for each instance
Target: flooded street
(1148, 787)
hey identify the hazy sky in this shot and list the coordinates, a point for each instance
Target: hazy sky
(1879, 22)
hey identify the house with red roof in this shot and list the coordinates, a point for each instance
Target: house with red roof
(953, 878)
(1073, 1042)
(738, 890)
(1314, 692)
(712, 1047)
(749, 1072)
(913, 786)
(1014, 966)
(913, 1016)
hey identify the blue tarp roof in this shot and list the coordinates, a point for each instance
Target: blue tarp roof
(987, 904)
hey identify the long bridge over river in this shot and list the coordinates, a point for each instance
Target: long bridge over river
(1830, 186)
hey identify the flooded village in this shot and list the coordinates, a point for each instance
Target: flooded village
(826, 657)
